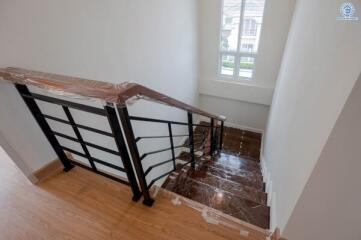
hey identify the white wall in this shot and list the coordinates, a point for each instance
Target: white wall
(320, 67)
(239, 114)
(329, 205)
(149, 42)
(277, 17)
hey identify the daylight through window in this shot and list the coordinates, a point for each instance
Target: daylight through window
(240, 35)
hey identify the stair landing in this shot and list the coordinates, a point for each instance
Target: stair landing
(230, 181)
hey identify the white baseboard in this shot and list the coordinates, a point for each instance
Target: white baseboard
(243, 127)
(271, 195)
(234, 125)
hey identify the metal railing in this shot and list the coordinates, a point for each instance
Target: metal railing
(138, 159)
(116, 112)
(108, 112)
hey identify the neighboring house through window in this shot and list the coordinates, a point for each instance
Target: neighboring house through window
(240, 35)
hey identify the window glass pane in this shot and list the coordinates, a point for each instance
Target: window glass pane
(246, 67)
(230, 24)
(227, 67)
(251, 27)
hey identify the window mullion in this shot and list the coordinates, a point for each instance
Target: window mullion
(240, 29)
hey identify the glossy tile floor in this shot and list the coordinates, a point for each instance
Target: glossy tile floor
(231, 181)
(80, 205)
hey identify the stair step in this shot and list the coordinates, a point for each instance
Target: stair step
(242, 143)
(219, 199)
(252, 155)
(239, 190)
(239, 132)
(243, 138)
(255, 175)
(234, 163)
(243, 180)
(248, 173)
(227, 161)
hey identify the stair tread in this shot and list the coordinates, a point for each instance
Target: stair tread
(231, 162)
(228, 162)
(239, 190)
(249, 180)
(255, 175)
(227, 202)
(230, 181)
(242, 143)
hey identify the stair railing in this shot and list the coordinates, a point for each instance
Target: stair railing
(114, 97)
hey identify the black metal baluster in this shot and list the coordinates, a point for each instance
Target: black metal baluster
(221, 137)
(212, 136)
(204, 141)
(80, 138)
(171, 144)
(129, 135)
(119, 140)
(39, 117)
(191, 139)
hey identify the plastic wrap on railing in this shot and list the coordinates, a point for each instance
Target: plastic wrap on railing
(108, 92)
(64, 85)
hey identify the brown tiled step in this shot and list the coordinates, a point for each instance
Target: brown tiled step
(227, 186)
(227, 162)
(242, 144)
(237, 152)
(237, 132)
(243, 180)
(256, 174)
(247, 178)
(239, 138)
(231, 204)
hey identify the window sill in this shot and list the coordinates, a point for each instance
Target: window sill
(234, 80)
(246, 91)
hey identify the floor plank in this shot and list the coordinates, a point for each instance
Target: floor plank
(83, 205)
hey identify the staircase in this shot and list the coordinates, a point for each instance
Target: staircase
(218, 166)
(229, 181)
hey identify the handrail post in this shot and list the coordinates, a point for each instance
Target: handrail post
(212, 136)
(132, 145)
(191, 139)
(119, 141)
(172, 144)
(221, 137)
(40, 119)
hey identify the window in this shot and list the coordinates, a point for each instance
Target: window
(240, 35)
(250, 27)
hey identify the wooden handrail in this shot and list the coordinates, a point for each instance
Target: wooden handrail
(109, 92)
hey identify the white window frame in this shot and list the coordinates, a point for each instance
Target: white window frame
(236, 54)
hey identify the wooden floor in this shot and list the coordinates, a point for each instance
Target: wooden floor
(82, 205)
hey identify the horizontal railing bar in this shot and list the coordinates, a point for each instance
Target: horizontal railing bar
(184, 164)
(100, 173)
(86, 143)
(157, 178)
(162, 150)
(65, 136)
(143, 119)
(108, 164)
(102, 148)
(74, 151)
(94, 159)
(174, 136)
(79, 126)
(157, 165)
(61, 102)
